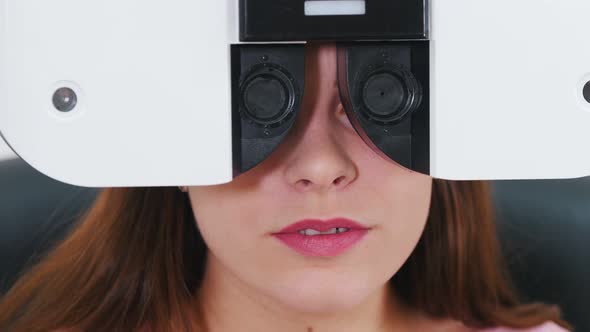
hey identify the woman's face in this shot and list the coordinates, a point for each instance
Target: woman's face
(322, 170)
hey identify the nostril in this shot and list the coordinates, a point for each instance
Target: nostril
(338, 180)
(303, 184)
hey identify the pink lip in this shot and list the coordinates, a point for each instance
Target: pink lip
(323, 244)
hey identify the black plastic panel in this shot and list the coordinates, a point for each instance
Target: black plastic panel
(406, 142)
(254, 141)
(285, 20)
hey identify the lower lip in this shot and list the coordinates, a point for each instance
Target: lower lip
(323, 245)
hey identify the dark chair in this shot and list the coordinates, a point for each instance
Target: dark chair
(35, 213)
(544, 228)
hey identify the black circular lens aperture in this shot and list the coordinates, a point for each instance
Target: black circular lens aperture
(384, 93)
(268, 95)
(389, 93)
(265, 97)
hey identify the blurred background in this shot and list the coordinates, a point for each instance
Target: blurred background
(544, 229)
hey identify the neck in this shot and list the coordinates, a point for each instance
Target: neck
(230, 305)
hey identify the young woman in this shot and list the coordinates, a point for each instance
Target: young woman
(411, 253)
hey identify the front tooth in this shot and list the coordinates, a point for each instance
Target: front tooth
(335, 230)
(332, 231)
(311, 232)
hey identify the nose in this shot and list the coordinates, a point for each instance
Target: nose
(319, 162)
(319, 159)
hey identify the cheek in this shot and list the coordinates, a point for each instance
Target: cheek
(226, 218)
(412, 200)
(409, 202)
(403, 213)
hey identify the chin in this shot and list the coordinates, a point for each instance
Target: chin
(323, 297)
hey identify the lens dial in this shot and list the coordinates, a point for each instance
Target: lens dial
(268, 95)
(389, 94)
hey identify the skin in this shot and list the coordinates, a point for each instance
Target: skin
(323, 169)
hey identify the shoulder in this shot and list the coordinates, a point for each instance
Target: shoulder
(548, 326)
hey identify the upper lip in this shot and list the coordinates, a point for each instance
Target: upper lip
(322, 226)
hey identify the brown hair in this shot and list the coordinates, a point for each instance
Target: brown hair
(137, 259)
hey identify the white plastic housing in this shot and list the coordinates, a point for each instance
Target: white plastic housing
(506, 89)
(153, 81)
